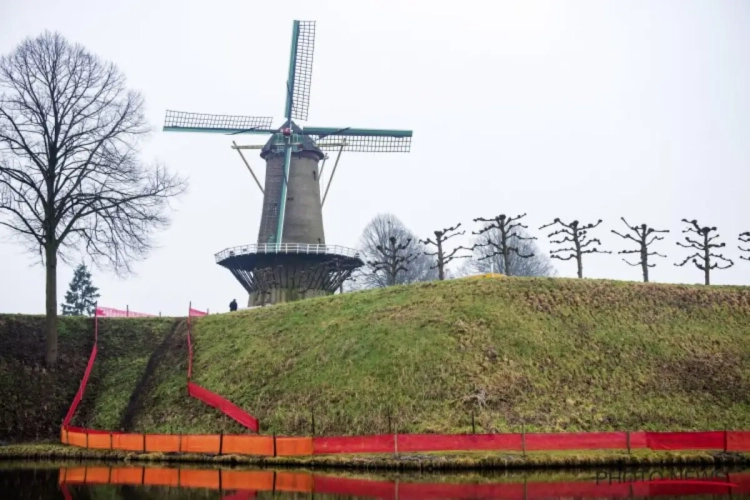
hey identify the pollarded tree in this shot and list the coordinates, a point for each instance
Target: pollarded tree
(576, 234)
(378, 232)
(644, 237)
(444, 257)
(508, 232)
(745, 238)
(82, 295)
(704, 246)
(485, 260)
(392, 259)
(70, 176)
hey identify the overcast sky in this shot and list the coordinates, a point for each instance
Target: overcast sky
(571, 109)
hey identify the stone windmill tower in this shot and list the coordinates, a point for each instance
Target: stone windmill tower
(291, 258)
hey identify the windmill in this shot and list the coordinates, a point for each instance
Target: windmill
(291, 240)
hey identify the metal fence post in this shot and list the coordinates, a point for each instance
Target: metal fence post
(627, 439)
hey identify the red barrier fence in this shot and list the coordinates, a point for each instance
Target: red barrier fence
(223, 405)
(715, 440)
(211, 398)
(246, 484)
(108, 312)
(218, 444)
(243, 444)
(122, 441)
(196, 312)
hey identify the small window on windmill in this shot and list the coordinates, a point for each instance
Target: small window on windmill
(275, 209)
(315, 175)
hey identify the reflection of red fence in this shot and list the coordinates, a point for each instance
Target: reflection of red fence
(246, 483)
(217, 444)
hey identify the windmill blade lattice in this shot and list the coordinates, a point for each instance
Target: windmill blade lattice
(181, 121)
(301, 65)
(358, 140)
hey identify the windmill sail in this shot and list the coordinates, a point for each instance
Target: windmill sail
(300, 70)
(180, 121)
(360, 140)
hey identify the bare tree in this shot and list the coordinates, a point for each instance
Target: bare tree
(485, 259)
(443, 257)
(576, 234)
(378, 233)
(704, 246)
(644, 237)
(745, 238)
(506, 231)
(393, 259)
(70, 178)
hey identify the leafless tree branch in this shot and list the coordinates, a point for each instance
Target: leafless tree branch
(745, 238)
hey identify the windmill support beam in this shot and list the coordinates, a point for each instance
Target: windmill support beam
(322, 166)
(248, 166)
(335, 164)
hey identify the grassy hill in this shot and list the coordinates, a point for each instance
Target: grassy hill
(550, 354)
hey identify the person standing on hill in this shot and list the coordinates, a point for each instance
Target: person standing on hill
(233, 305)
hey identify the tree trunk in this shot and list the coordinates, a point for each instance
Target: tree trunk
(707, 259)
(579, 253)
(707, 270)
(506, 260)
(644, 265)
(440, 263)
(51, 308)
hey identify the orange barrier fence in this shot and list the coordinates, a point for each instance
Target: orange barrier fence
(234, 444)
(246, 483)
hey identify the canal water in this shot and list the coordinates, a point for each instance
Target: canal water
(42, 481)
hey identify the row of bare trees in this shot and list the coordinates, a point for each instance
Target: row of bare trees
(503, 240)
(576, 242)
(395, 255)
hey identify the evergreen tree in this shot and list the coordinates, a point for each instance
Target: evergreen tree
(82, 295)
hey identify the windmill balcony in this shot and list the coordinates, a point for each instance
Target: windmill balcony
(287, 248)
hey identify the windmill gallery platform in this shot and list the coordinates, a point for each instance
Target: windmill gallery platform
(291, 259)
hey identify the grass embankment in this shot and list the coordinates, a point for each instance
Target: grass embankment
(34, 400)
(550, 354)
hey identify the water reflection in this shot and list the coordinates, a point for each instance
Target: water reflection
(126, 483)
